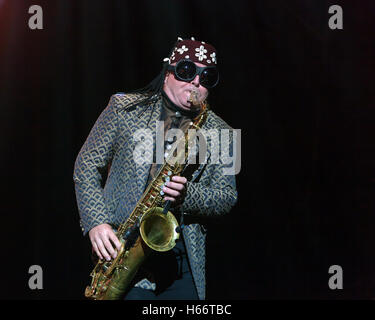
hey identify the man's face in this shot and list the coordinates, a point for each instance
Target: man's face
(179, 91)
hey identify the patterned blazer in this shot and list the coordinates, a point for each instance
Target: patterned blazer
(209, 192)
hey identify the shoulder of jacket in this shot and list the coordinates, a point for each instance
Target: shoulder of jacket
(124, 101)
(216, 122)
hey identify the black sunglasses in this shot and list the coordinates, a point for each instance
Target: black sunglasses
(187, 70)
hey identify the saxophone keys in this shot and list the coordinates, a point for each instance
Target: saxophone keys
(122, 267)
(106, 266)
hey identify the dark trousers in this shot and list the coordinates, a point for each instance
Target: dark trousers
(182, 288)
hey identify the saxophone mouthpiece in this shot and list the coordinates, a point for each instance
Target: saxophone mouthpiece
(195, 98)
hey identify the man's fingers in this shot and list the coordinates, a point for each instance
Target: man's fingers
(102, 249)
(179, 179)
(102, 237)
(96, 249)
(112, 236)
(175, 186)
(171, 192)
(109, 247)
(175, 189)
(169, 198)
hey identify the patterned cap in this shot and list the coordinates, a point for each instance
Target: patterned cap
(196, 51)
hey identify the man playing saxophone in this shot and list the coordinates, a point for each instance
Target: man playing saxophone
(109, 182)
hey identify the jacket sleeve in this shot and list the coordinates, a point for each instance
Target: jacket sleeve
(95, 153)
(215, 193)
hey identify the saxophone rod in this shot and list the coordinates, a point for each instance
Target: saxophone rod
(167, 206)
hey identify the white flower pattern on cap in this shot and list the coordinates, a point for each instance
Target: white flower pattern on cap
(173, 54)
(182, 49)
(201, 53)
(213, 57)
(197, 52)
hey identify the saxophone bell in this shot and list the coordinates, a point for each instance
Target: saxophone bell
(158, 229)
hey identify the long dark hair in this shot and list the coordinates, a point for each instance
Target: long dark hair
(153, 90)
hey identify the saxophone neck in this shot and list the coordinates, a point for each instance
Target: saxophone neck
(202, 115)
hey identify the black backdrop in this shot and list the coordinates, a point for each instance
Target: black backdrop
(301, 93)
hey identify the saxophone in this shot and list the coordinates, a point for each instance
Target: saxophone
(149, 226)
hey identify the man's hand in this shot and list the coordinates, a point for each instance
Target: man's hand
(102, 237)
(175, 190)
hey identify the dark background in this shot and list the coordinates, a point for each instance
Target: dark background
(301, 93)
